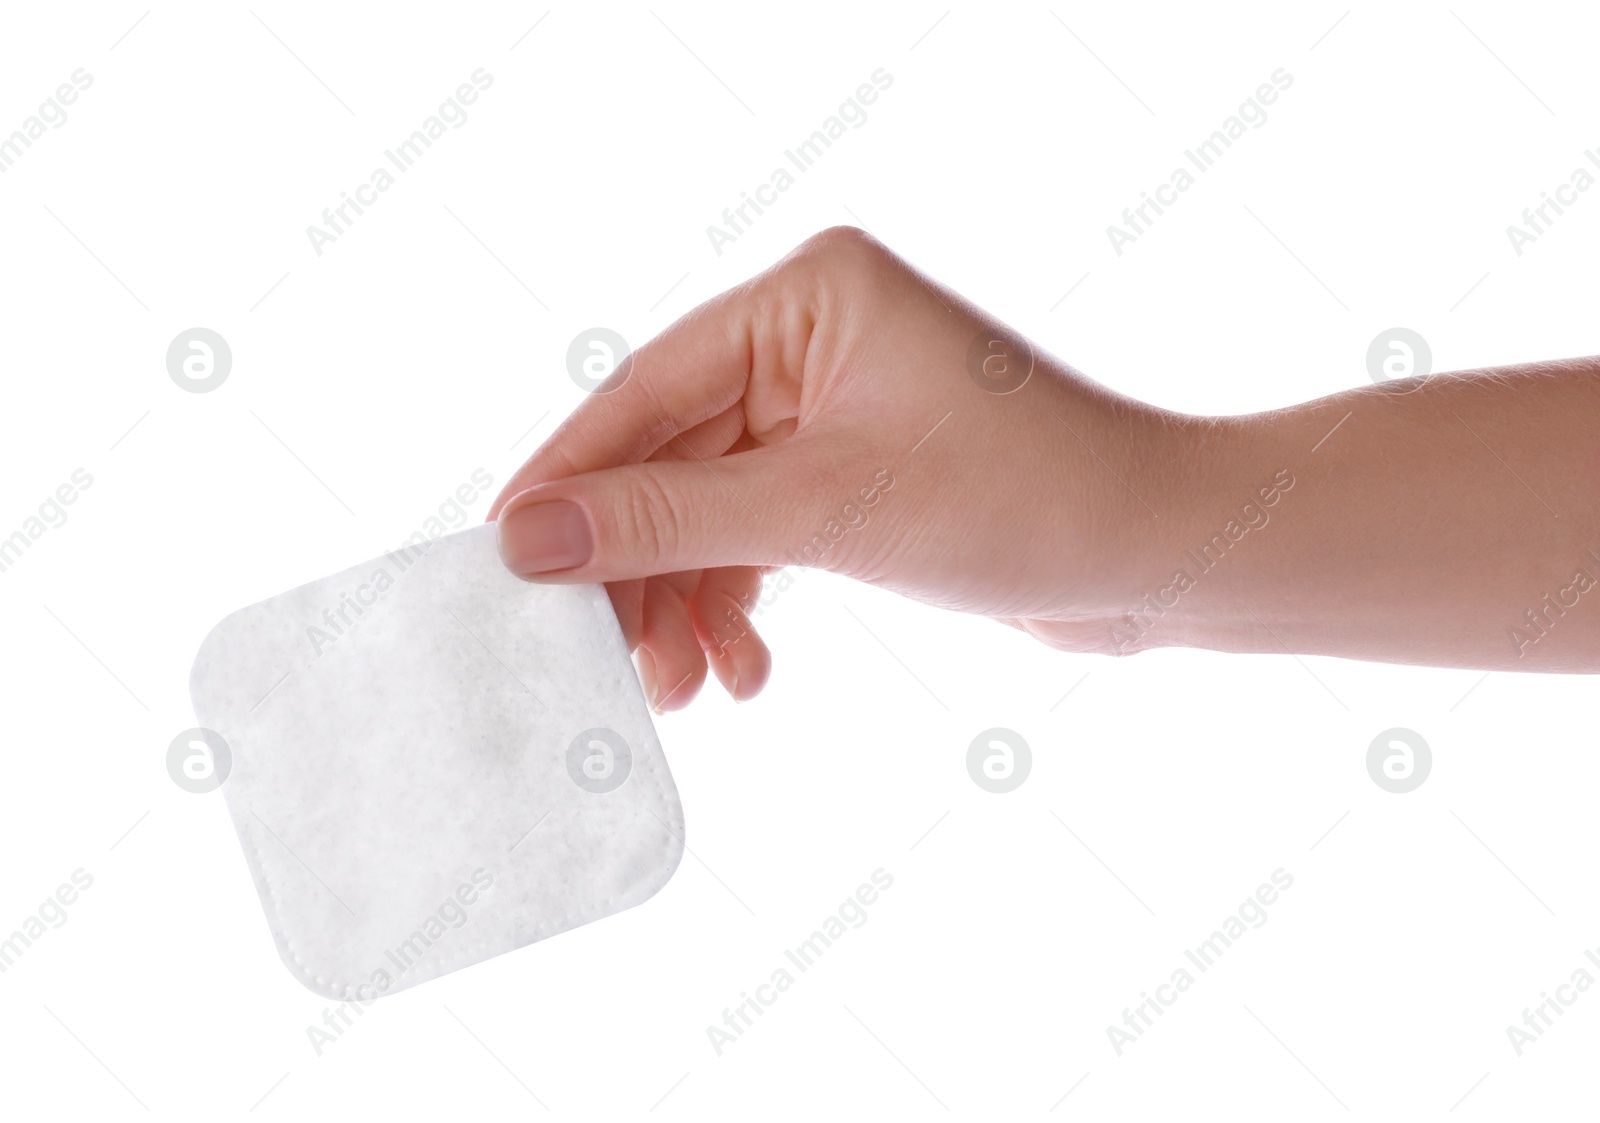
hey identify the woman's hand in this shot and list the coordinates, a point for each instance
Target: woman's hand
(844, 412)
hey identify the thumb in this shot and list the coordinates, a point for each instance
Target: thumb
(661, 516)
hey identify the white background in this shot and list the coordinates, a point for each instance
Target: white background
(414, 350)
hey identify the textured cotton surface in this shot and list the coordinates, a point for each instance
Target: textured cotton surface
(425, 762)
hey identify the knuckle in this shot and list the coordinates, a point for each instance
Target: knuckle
(833, 268)
(649, 521)
(844, 244)
(663, 423)
(839, 240)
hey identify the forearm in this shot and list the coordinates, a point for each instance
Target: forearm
(1452, 525)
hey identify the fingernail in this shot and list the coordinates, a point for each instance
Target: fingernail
(647, 677)
(544, 537)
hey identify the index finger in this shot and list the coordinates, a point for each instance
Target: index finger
(695, 369)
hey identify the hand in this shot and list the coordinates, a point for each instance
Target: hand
(844, 412)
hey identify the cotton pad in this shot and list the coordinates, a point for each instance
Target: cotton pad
(434, 762)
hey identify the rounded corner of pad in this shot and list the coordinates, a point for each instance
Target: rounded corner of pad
(304, 977)
(675, 848)
(202, 654)
(313, 980)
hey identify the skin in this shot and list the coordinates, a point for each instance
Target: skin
(1421, 522)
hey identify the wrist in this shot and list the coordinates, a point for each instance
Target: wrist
(1201, 502)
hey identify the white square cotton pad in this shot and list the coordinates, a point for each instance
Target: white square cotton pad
(431, 762)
